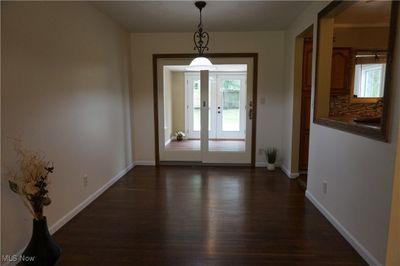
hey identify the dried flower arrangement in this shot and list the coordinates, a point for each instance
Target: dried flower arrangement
(31, 180)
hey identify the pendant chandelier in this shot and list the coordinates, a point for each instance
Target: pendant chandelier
(200, 38)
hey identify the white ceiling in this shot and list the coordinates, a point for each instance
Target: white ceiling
(183, 16)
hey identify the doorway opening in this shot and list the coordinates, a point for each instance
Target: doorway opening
(190, 102)
(302, 104)
(227, 108)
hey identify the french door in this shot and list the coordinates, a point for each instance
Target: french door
(227, 102)
(231, 102)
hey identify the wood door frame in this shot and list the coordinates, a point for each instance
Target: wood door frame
(302, 94)
(253, 56)
(298, 56)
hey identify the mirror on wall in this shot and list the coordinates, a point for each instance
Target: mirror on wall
(353, 72)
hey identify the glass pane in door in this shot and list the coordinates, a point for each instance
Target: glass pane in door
(196, 105)
(230, 114)
(181, 102)
(230, 105)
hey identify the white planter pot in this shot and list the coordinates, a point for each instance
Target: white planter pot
(270, 166)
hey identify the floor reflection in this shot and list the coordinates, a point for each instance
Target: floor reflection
(203, 216)
(203, 201)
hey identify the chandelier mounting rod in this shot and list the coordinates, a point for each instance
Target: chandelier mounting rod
(200, 37)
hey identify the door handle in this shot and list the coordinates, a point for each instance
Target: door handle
(204, 104)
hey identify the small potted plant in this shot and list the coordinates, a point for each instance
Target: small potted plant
(271, 153)
(179, 135)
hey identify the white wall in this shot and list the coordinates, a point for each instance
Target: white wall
(358, 170)
(268, 45)
(65, 91)
(167, 105)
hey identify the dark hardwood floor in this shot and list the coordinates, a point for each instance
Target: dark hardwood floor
(203, 216)
(302, 181)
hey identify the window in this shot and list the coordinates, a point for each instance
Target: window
(369, 74)
(369, 80)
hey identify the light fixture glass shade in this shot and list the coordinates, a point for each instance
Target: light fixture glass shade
(200, 63)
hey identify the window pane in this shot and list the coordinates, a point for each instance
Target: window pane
(369, 80)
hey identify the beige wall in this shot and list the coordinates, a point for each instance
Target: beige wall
(358, 170)
(178, 99)
(174, 103)
(362, 38)
(65, 91)
(269, 46)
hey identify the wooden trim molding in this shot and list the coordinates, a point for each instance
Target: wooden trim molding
(253, 56)
(155, 102)
(393, 245)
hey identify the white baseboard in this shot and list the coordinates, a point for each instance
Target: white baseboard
(264, 164)
(144, 163)
(66, 218)
(284, 169)
(288, 173)
(371, 260)
(57, 225)
(261, 164)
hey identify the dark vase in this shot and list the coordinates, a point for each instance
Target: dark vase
(42, 249)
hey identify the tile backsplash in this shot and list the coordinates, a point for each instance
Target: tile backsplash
(340, 105)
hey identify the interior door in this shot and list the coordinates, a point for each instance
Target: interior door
(231, 102)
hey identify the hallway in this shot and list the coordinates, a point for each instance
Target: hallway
(203, 216)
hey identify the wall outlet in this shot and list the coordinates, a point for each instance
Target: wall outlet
(85, 180)
(325, 187)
